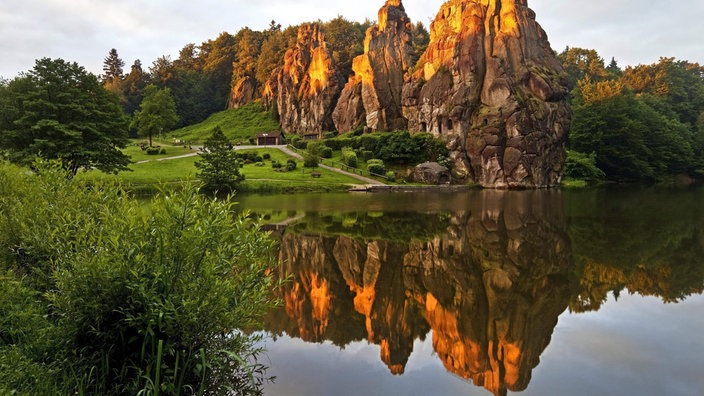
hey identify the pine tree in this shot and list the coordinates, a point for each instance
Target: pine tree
(112, 67)
(218, 164)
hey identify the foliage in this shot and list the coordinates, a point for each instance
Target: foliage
(631, 140)
(376, 166)
(642, 123)
(580, 166)
(218, 165)
(310, 160)
(131, 300)
(112, 67)
(61, 111)
(319, 148)
(393, 147)
(349, 157)
(156, 114)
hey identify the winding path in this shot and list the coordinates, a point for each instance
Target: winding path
(366, 180)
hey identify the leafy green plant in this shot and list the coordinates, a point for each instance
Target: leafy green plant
(141, 301)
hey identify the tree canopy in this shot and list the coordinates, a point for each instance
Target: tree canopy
(642, 123)
(156, 114)
(60, 111)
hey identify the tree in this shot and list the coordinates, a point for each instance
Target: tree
(156, 114)
(133, 86)
(218, 164)
(62, 112)
(112, 66)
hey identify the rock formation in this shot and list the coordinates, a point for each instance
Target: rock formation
(490, 85)
(308, 84)
(244, 91)
(372, 96)
(490, 286)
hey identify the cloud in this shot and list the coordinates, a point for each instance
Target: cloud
(633, 31)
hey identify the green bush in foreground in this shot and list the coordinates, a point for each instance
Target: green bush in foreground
(109, 298)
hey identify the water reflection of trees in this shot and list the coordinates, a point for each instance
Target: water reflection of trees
(489, 279)
(648, 241)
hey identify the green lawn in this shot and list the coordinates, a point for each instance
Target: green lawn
(257, 178)
(136, 154)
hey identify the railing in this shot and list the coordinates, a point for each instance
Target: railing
(338, 165)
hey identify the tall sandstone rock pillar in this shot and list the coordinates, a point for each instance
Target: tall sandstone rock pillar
(490, 85)
(308, 85)
(372, 96)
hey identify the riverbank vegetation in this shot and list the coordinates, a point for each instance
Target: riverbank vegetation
(99, 296)
(642, 123)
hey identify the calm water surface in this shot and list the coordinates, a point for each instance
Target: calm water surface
(488, 292)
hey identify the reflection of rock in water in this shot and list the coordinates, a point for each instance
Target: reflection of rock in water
(491, 288)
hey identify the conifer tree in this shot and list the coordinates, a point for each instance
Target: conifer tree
(218, 165)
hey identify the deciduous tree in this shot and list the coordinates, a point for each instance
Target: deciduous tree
(156, 114)
(61, 111)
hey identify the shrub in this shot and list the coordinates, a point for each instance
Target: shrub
(329, 135)
(291, 164)
(266, 156)
(376, 166)
(161, 302)
(349, 157)
(276, 164)
(153, 150)
(162, 151)
(391, 176)
(367, 155)
(580, 166)
(326, 152)
(300, 144)
(310, 161)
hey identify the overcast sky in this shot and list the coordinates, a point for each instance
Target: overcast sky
(632, 31)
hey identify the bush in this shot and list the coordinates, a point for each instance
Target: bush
(391, 176)
(326, 152)
(162, 151)
(276, 164)
(349, 157)
(291, 164)
(266, 156)
(329, 135)
(367, 155)
(310, 161)
(300, 144)
(153, 150)
(580, 166)
(376, 166)
(168, 289)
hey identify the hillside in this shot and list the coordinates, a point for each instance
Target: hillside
(239, 125)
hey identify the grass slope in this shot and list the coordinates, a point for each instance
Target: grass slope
(239, 125)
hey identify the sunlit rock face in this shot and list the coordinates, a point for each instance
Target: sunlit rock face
(490, 85)
(372, 96)
(490, 287)
(308, 85)
(243, 91)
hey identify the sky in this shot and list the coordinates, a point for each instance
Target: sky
(632, 31)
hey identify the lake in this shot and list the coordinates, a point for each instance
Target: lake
(595, 292)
